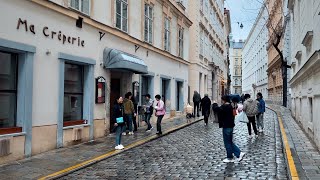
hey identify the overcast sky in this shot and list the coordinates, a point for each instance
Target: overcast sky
(245, 12)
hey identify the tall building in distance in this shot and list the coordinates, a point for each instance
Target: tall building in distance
(255, 57)
(274, 70)
(236, 50)
(208, 60)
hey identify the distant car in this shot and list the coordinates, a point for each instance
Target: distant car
(235, 97)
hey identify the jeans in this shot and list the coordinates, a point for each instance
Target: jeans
(135, 127)
(129, 118)
(206, 116)
(229, 145)
(159, 123)
(196, 107)
(147, 119)
(119, 130)
(252, 120)
(260, 120)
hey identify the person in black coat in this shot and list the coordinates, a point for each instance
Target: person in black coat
(118, 112)
(205, 106)
(226, 122)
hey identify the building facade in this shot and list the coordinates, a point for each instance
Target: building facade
(64, 62)
(208, 63)
(305, 79)
(236, 51)
(274, 70)
(255, 57)
(228, 30)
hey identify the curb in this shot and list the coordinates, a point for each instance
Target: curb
(292, 171)
(112, 153)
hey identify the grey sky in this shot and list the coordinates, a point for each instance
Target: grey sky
(245, 12)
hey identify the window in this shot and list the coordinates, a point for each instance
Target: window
(201, 43)
(148, 22)
(81, 5)
(167, 34)
(73, 92)
(8, 89)
(122, 15)
(201, 5)
(180, 53)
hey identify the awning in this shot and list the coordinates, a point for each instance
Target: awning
(118, 60)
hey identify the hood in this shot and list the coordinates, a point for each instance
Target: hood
(250, 100)
(125, 100)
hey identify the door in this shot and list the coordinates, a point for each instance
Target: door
(115, 91)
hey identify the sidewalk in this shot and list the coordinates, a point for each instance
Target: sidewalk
(305, 154)
(50, 162)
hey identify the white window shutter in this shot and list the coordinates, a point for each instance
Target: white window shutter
(86, 6)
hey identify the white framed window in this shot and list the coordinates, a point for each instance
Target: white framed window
(201, 43)
(167, 34)
(181, 31)
(81, 5)
(122, 15)
(148, 23)
(201, 5)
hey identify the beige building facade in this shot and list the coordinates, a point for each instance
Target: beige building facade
(208, 57)
(63, 62)
(236, 49)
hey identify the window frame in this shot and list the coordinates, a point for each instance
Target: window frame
(15, 92)
(201, 43)
(81, 7)
(80, 120)
(147, 37)
(167, 34)
(181, 42)
(121, 15)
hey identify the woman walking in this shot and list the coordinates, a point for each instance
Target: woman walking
(262, 109)
(160, 112)
(118, 121)
(129, 112)
(226, 122)
(250, 107)
(205, 106)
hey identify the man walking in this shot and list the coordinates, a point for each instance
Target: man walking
(250, 107)
(205, 106)
(262, 109)
(196, 103)
(149, 111)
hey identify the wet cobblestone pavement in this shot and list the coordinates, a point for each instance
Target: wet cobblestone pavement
(196, 152)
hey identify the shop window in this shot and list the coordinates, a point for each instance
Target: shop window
(81, 5)
(167, 34)
(73, 93)
(122, 15)
(8, 89)
(148, 23)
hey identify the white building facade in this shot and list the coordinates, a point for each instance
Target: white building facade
(236, 49)
(63, 63)
(208, 68)
(255, 58)
(305, 79)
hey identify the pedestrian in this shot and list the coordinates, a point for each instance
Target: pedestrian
(213, 114)
(148, 112)
(250, 107)
(160, 112)
(196, 103)
(129, 112)
(135, 105)
(118, 121)
(226, 122)
(262, 109)
(205, 106)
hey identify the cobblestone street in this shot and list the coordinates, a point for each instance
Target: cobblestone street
(196, 152)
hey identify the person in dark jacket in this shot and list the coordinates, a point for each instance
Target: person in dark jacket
(226, 122)
(262, 109)
(205, 106)
(118, 112)
(196, 103)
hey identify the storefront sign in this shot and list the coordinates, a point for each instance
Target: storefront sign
(51, 34)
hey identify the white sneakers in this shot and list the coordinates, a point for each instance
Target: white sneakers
(123, 134)
(131, 133)
(119, 147)
(237, 160)
(252, 136)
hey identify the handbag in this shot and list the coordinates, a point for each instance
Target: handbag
(242, 117)
(119, 120)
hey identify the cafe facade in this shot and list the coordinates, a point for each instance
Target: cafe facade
(63, 63)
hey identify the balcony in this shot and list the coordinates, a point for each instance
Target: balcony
(307, 38)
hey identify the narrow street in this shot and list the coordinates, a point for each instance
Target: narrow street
(196, 152)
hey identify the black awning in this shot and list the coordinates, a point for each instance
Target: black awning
(118, 60)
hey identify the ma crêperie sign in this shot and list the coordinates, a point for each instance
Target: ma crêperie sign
(51, 34)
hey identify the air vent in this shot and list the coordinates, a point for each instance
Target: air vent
(4, 147)
(77, 134)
